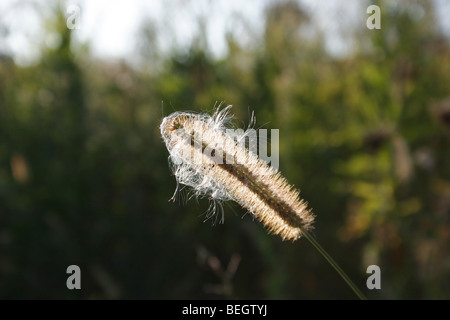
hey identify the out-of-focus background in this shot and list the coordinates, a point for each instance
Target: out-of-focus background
(364, 120)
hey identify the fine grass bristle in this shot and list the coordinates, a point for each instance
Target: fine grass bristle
(200, 153)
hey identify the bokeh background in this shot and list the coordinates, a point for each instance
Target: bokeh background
(364, 119)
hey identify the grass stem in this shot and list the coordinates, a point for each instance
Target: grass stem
(334, 264)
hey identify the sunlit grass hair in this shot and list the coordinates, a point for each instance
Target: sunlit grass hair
(205, 157)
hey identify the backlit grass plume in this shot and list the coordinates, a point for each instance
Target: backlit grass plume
(216, 164)
(212, 159)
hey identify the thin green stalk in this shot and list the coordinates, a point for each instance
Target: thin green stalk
(334, 264)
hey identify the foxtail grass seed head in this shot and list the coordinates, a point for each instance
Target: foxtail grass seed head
(211, 158)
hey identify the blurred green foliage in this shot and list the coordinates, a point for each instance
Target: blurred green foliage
(84, 177)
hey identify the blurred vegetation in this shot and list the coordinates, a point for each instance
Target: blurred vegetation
(84, 177)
